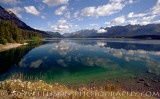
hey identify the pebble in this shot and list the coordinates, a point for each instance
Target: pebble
(142, 80)
(138, 82)
(147, 84)
(155, 81)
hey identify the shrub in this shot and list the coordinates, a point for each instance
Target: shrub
(22, 42)
(11, 41)
(35, 38)
(3, 41)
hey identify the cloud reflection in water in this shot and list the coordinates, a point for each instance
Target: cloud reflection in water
(98, 53)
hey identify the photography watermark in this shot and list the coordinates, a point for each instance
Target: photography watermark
(89, 94)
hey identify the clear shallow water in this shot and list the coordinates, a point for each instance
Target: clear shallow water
(78, 61)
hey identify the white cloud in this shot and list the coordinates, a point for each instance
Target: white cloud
(67, 15)
(55, 2)
(63, 11)
(157, 22)
(118, 20)
(148, 18)
(32, 10)
(43, 17)
(133, 22)
(89, 11)
(93, 24)
(10, 2)
(41, 7)
(16, 11)
(70, 25)
(144, 22)
(107, 23)
(101, 31)
(76, 14)
(76, 27)
(116, 1)
(140, 15)
(132, 15)
(145, 18)
(140, 18)
(156, 8)
(80, 19)
(110, 25)
(60, 10)
(60, 28)
(130, 1)
(140, 21)
(61, 21)
(112, 7)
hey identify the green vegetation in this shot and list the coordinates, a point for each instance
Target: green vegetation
(3, 41)
(35, 38)
(18, 89)
(11, 33)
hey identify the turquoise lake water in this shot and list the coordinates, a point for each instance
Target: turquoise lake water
(79, 61)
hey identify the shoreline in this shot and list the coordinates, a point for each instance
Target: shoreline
(23, 89)
(9, 46)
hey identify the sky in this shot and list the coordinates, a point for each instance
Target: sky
(67, 16)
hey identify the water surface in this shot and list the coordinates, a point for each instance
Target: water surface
(83, 61)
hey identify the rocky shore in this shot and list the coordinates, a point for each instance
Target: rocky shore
(18, 89)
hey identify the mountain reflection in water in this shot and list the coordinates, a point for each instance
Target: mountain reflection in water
(84, 60)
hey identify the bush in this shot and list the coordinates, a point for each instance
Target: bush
(11, 41)
(22, 41)
(3, 41)
(35, 38)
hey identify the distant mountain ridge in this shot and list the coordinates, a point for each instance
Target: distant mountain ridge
(128, 30)
(150, 29)
(6, 14)
(85, 32)
(55, 34)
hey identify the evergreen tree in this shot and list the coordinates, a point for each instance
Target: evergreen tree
(2, 33)
(10, 32)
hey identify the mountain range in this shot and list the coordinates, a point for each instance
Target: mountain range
(128, 30)
(6, 14)
(55, 34)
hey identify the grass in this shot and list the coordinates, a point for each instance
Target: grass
(19, 89)
(33, 40)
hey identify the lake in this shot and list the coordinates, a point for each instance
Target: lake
(85, 61)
